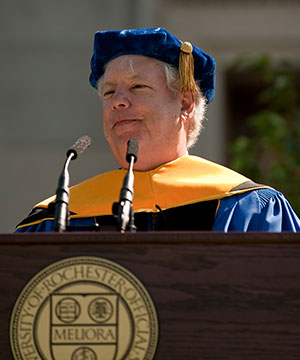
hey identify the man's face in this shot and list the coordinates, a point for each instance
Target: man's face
(138, 104)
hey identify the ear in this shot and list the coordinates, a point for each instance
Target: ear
(187, 106)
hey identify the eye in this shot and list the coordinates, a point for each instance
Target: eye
(138, 86)
(108, 93)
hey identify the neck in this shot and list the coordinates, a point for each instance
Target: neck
(151, 165)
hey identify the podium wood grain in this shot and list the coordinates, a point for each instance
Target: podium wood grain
(218, 296)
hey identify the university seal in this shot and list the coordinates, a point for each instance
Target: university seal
(84, 308)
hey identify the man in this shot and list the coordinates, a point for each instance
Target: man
(154, 88)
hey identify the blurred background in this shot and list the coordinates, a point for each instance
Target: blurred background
(47, 103)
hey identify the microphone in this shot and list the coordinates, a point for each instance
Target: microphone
(132, 150)
(80, 146)
(61, 214)
(123, 209)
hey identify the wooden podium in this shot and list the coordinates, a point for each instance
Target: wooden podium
(217, 296)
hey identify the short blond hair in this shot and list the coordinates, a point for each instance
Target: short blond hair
(196, 123)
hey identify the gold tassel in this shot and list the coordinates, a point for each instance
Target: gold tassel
(186, 68)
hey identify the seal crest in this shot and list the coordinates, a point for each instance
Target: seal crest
(84, 308)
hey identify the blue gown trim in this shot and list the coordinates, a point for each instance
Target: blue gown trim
(257, 210)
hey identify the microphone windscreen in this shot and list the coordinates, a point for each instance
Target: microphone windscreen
(132, 149)
(80, 146)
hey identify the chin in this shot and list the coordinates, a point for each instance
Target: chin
(144, 164)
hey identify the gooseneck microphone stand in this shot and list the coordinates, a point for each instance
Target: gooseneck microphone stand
(61, 215)
(123, 210)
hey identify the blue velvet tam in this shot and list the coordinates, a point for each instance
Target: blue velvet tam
(156, 43)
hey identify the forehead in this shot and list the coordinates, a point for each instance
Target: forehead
(133, 65)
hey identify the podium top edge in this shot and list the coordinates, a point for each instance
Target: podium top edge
(140, 238)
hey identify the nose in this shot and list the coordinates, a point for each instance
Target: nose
(120, 100)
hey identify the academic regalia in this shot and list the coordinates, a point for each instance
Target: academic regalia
(189, 193)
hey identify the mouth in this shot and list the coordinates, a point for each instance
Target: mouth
(124, 122)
